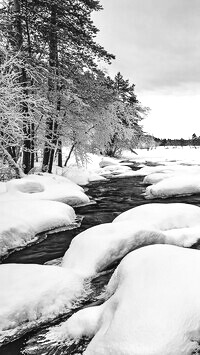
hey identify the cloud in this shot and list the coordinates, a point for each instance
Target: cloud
(156, 42)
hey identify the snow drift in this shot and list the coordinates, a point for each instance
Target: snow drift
(31, 295)
(22, 221)
(152, 307)
(81, 175)
(45, 187)
(94, 249)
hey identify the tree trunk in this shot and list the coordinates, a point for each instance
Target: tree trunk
(70, 153)
(12, 163)
(17, 42)
(59, 152)
(51, 136)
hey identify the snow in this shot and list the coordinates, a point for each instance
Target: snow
(31, 295)
(171, 178)
(153, 178)
(2, 187)
(97, 247)
(152, 307)
(155, 295)
(96, 169)
(173, 186)
(23, 220)
(45, 187)
(81, 175)
(161, 155)
(115, 170)
(106, 161)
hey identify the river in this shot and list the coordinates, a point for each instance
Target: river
(109, 199)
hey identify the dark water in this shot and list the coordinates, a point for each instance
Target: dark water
(111, 198)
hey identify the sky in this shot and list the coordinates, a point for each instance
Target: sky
(157, 47)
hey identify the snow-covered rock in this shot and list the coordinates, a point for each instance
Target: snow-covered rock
(81, 175)
(157, 177)
(162, 216)
(97, 247)
(152, 307)
(115, 170)
(22, 221)
(31, 295)
(185, 184)
(94, 249)
(108, 161)
(45, 187)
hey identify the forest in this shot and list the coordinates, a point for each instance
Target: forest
(53, 92)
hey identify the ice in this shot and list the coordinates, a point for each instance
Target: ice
(94, 249)
(31, 295)
(45, 187)
(23, 220)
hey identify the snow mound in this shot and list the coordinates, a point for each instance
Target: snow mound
(81, 175)
(45, 187)
(162, 216)
(22, 221)
(116, 170)
(152, 307)
(176, 185)
(31, 295)
(157, 177)
(162, 314)
(108, 161)
(94, 249)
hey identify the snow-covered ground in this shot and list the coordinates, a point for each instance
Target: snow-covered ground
(164, 155)
(22, 221)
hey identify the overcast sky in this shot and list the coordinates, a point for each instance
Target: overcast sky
(157, 47)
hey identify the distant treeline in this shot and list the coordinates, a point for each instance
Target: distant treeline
(194, 140)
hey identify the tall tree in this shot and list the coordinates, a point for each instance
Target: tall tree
(127, 113)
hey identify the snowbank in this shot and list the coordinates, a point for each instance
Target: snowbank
(45, 187)
(22, 221)
(81, 175)
(107, 168)
(188, 155)
(2, 187)
(156, 297)
(173, 186)
(106, 161)
(115, 170)
(152, 307)
(97, 247)
(34, 294)
(153, 178)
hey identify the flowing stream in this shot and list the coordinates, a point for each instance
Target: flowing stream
(110, 199)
